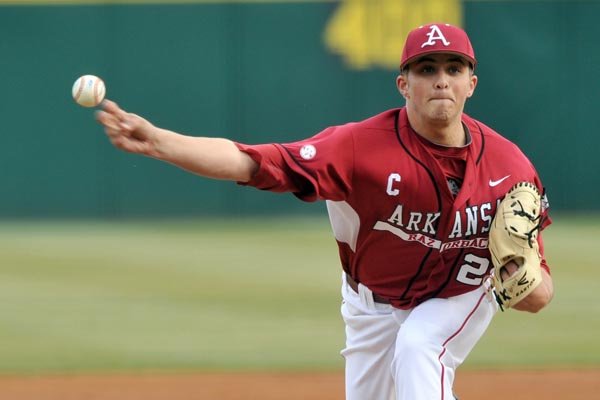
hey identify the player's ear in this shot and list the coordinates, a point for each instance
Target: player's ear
(402, 85)
(472, 85)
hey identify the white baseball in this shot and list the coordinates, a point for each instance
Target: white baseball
(88, 90)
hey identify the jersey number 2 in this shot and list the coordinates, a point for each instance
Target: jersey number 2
(472, 271)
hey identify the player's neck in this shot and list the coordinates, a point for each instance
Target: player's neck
(444, 134)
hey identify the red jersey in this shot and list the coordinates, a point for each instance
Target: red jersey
(400, 230)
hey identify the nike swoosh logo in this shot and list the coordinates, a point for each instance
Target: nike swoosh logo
(499, 181)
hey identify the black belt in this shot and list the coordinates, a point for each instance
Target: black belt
(376, 298)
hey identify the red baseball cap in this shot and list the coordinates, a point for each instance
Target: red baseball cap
(437, 38)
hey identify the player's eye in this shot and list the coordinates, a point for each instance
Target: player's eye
(427, 69)
(455, 69)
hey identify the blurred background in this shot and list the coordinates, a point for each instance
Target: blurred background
(109, 261)
(265, 71)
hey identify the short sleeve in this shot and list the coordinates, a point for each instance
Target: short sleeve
(317, 168)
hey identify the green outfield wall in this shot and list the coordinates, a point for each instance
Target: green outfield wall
(265, 71)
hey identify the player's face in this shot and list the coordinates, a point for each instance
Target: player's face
(437, 86)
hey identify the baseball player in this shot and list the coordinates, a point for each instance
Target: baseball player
(412, 195)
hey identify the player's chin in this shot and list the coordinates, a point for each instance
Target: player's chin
(445, 111)
(441, 115)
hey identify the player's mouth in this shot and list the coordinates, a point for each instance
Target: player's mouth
(441, 99)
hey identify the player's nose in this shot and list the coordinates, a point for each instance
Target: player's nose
(441, 82)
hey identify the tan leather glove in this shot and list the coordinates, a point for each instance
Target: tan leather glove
(513, 237)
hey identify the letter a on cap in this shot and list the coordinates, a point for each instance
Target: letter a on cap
(435, 34)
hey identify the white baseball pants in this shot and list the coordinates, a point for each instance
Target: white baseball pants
(394, 354)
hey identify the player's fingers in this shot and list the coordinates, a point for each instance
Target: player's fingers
(113, 108)
(111, 124)
(113, 132)
(126, 144)
(128, 123)
(126, 126)
(508, 270)
(121, 140)
(119, 143)
(106, 119)
(110, 107)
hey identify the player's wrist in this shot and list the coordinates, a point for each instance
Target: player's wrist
(160, 141)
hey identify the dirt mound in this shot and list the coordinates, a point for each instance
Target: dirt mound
(475, 385)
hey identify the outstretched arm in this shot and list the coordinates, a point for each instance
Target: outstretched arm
(210, 157)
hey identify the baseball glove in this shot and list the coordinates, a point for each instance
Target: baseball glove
(513, 237)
